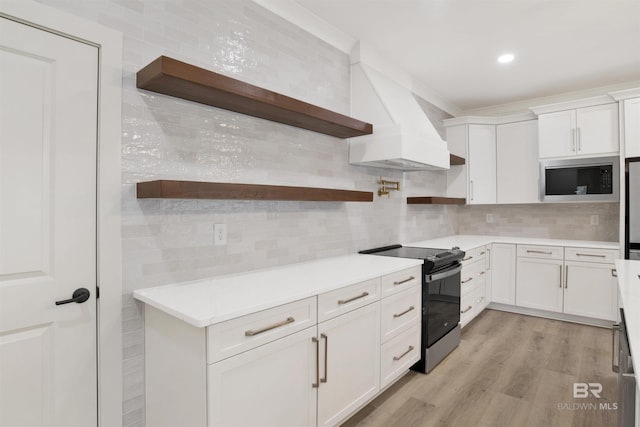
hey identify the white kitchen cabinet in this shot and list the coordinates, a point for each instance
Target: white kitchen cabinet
(632, 127)
(539, 283)
(584, 131)
(482, 164)
(476, 180)
(590, 290)
(267, 386)
(349, 363)
(473, 280)
(503, 273)
(517, 162)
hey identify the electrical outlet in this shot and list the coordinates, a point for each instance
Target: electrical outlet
(595, 219)
(220, 234)
(489, 218)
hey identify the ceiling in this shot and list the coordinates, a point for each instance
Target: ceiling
(451, 46)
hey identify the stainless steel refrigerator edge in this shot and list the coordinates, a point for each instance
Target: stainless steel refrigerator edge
(632, 217)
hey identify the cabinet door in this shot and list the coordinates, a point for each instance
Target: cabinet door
(270, 385)
(598, 130)
(482, 164)
(457, 175)
(517, 162)
(556, 134)
(503, 273)
(591, 290)
(349, 363)
(632, 127)
(539, 284)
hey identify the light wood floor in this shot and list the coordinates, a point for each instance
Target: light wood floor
(509, 370)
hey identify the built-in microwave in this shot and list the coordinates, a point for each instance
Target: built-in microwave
(580, 180)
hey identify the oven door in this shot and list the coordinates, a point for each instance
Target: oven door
(441, 303)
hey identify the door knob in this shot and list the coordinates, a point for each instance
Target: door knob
(80, 295)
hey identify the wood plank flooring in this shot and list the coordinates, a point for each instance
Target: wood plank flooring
(509, 370)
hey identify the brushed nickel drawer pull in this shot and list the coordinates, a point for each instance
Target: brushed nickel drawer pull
(482, 253)
(403, 281)
(251, 333)
(481, 273)
(468, 308)
(530, 251)
(468, 280)
(614, 272)
(326, 351)
(404, 312)
(344, 301)
(467, 258)
(317, 343)
(591, 255)
(396, 358)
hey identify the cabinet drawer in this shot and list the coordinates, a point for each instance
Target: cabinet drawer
(467, 305)
(472, 255)
(399, 354)
(471, 274)
(344, 300)
(397, 282)
(535, 251)
(237, 335)
(400, 311)
(591, 255)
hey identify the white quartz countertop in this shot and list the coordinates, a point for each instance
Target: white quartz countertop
(466, 242)
(629, 286)
(209, 301)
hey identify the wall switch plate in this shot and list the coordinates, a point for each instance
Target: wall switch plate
(219, 234)
(489, 218)
(595, 219)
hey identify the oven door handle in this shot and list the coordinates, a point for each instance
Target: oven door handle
(438, 276)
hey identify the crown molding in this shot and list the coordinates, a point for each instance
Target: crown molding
(569, 105)
(621, 95)
(490, 120)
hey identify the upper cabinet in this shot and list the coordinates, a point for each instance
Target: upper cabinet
(632, 127)
(476, 180)
(517, 162)
(581, 132)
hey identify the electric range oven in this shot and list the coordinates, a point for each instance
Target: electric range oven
(440, 299)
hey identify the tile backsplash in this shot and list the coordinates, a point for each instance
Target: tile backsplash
(166, 241)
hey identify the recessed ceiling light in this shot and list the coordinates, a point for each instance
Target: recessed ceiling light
(506, 58)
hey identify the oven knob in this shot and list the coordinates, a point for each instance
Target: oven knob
(455, 248)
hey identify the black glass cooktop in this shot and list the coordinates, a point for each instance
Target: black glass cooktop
(433, 257)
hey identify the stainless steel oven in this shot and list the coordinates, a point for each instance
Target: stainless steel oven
(440, 299)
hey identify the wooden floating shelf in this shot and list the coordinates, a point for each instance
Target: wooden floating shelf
(169, 76)
(456, 160)
(167, 189)
(435, 201)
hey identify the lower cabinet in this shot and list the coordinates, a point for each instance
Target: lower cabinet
(349, 363)
(503, 273)
(591, 290)
(266, 386)
(309, 362)
(539, 283)
(473, 278)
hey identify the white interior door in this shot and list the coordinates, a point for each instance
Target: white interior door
(48, 125)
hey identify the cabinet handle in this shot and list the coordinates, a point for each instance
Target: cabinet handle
(579, 140)
(251, 333)
(614, 272)
(396, 358)
(592, 255)
(468, 280)
(404, 312)
(471, 188)
(560, 276)
(464, 311)
(615, 328)
(531, 251)
(573, 139)
(326, 346)
(566, 277)
(403, 281)
(467, 258)
(317, 343)
(344, 301)
(481, 273)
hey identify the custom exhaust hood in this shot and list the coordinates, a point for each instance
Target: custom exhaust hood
(403, 137)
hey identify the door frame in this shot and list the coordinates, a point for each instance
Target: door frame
(109, 250)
